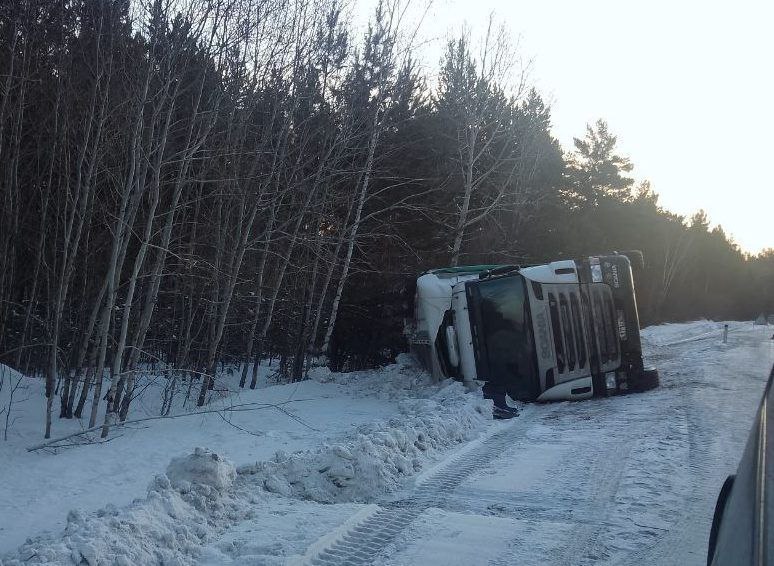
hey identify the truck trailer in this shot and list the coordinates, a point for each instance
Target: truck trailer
(566, 330)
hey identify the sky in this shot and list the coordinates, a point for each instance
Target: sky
(687, 86)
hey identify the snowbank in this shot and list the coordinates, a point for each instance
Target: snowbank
(202, 467)
(381, 455)
(202, 494)
(166, 527)
(39, 488)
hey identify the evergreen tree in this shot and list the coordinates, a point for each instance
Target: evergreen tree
(595, 170)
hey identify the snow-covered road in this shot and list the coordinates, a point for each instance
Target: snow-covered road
(625, 480)
(431, 480)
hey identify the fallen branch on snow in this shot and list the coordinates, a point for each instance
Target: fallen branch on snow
(233, 408)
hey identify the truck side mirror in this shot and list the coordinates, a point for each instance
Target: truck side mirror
(636, 259)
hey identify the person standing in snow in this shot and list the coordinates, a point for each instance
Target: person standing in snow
(503, 361)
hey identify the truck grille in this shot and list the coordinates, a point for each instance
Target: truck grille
(584, 326)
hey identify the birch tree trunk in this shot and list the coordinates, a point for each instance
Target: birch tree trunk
(361, 197)
(130, 196)
(84, 191)
(462, 218)
(118, 355)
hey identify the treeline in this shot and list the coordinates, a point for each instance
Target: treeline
(188, 183)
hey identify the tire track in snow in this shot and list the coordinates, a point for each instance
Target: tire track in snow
(584, 501)
(699, 397)
(361, 543)
(584, 544)
(668, 547)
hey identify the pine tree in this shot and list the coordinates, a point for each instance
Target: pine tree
(595, 170)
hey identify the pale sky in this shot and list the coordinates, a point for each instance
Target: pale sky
(687, 86)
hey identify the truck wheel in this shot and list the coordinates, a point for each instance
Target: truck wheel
(717, 518)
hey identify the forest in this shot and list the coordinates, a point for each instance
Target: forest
(187, 185)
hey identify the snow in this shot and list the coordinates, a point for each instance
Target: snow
(380, 455)
(363, 514)
(201, 468)
(389, 464)
(462, 539)
(681, 333)
(200, 494)
(87, 477)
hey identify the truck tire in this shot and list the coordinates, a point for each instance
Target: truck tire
(717, 517)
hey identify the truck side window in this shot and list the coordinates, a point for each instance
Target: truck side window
(557, 332)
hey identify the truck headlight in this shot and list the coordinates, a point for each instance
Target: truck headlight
(610, 381)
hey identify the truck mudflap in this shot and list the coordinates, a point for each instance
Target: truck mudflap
(645, 380)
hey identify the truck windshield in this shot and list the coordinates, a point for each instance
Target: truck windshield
(507, 344)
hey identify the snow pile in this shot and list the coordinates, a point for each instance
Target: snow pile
(202, 494)
(381, 455)
(166, 527)
(203, 468)
(251, 427)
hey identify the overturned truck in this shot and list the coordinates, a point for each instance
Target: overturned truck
(561, 331)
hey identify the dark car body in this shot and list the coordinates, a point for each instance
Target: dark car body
(741, 528)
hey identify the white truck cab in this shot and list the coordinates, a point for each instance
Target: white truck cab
(564, 330)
